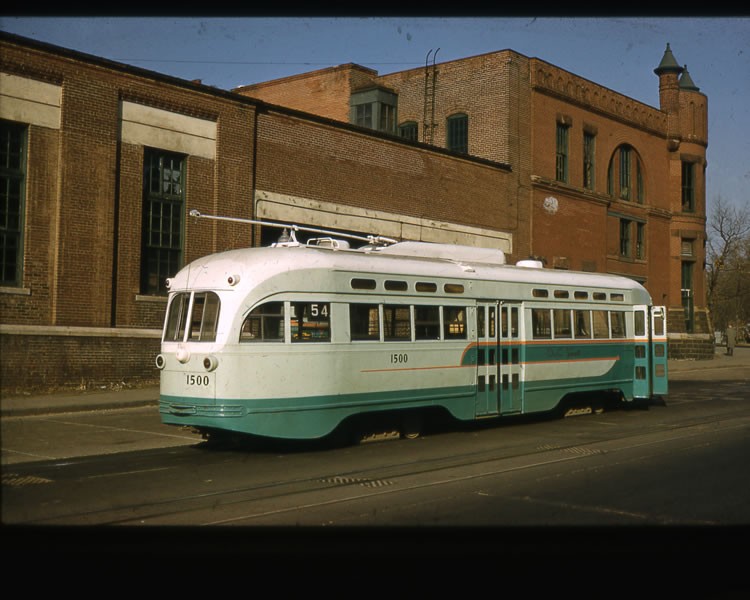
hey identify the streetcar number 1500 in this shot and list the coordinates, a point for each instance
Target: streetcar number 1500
(197, 379)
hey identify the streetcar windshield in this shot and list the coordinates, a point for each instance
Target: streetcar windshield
(192, 317)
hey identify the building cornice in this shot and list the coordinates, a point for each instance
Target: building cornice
(553, 81)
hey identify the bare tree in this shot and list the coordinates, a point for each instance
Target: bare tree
(728, 264)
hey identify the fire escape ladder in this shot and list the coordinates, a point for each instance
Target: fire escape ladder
(430, 83)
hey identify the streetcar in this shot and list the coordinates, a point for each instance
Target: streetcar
(294, 340)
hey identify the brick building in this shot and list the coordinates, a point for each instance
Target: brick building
(101, 162)
(600, 181)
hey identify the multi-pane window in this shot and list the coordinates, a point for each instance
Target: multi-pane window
(363, 115)
(408, 131)
(588, 160)
(387, 118)
(374, 108)
(163, 207)
(625, 175)
(640, 241)
(457, 133)
(561, 156)
(625, 234)
(12, 179)
(688, 187)
(265, 323)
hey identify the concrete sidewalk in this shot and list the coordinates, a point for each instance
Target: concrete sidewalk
(719, 368)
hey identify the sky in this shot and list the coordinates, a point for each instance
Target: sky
(619, 53)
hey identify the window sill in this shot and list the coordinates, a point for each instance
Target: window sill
(144, 298)
(15, 291)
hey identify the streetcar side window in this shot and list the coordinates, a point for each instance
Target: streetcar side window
(541, 323)
(454, 322)
(659, 324)
(364, 322)
(617, 321)
(427, 322)
(397, 323)
(265, 323)
(583, 323)
(640, 323)
(561, 318)
(310, 322)
(601, 324)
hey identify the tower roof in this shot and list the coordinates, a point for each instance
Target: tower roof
(668, 63)
(686, 82)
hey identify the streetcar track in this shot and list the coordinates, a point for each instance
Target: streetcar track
(389, 478)
(380, 481)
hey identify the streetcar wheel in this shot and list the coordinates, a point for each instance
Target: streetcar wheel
(411, 427)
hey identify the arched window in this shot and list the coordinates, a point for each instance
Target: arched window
(625, 177)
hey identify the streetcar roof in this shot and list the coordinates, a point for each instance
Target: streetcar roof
(246, 267)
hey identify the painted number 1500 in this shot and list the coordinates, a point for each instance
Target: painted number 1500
(398, 358)
(197, 379)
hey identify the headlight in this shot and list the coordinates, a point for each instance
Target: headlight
(160, 361)
(210, 363)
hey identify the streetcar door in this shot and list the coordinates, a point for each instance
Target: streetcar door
(641, 352)
(659, 383)
(650, 351)
(487, 358)
(510, 371)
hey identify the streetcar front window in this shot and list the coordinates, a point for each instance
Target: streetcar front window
(205, 317)
(177, 318)
(196, 322)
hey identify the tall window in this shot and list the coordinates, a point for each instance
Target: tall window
(457, 138)
(588, 160)
(363, 115)
(12, 179)
(408, 131)
(688, 187)
(561, 161)
(625, 237)
(625, 175)
(387, 118)
(163, 207)
(640, 242)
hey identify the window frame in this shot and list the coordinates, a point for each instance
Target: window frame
(164, 258)
(589, 160)
(457, 133)
(562, 152)
(409, 130)
(13, 175)
(688, 186)
(625, 175)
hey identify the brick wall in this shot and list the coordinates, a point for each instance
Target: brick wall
(84, 206)
(320, 162)
(41, 362)
(324, 92)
